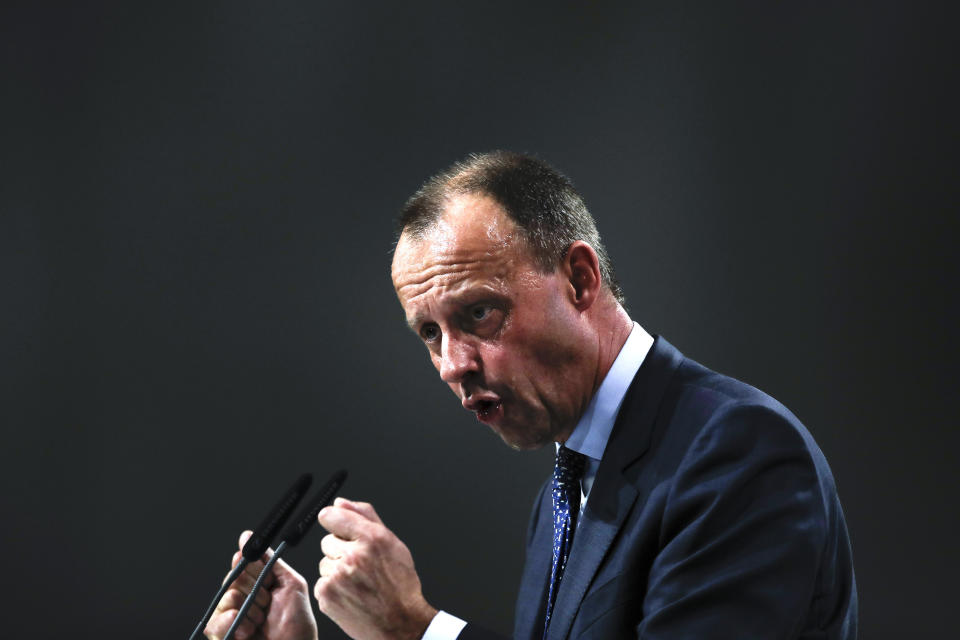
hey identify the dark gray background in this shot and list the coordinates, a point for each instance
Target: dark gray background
(195, 243)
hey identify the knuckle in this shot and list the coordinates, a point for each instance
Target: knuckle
(377, 538)
(246, 629)
(347, 570)
(211, 631)
(326, 543)
(355, 561)
(300, 582)
(320, 591)
(255, 614)
(230, 599)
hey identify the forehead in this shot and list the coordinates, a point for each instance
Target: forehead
(474, 243)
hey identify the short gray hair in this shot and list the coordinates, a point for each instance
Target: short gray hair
(540, 200)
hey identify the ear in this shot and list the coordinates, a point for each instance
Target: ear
(582, 269)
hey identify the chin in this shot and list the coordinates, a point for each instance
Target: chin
(524, 441)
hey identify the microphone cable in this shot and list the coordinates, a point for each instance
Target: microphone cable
(291, 537)
(258, 542)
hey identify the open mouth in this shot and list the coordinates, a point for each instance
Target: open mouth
(487, 408)
(486, 405)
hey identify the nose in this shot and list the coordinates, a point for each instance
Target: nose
(458, 359)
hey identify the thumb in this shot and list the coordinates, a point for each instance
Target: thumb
(365, 509)
(286, 575)
(244, 537)
(237, 555)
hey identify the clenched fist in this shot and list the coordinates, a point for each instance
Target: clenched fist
(368, 584)
(281, 610)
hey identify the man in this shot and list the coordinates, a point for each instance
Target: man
(684, 504)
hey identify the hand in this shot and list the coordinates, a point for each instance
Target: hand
(368, 584)
(281, 610)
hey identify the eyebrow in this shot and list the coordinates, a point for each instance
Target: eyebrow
(465, 299)
(413, 322)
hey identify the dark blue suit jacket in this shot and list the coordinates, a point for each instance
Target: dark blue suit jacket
(713, 515)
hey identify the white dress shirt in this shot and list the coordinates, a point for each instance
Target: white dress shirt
(589, 438)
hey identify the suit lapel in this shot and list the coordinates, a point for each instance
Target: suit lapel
(532, 597)
(612, 496)
(590, 545)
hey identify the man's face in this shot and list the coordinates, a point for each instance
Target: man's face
(505, 337)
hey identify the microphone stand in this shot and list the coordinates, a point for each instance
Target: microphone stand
(253, 592)
(237, 570)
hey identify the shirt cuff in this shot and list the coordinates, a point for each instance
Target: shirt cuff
(444, 627)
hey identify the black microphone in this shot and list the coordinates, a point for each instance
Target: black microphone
(262, 536)
(308, 516)
(291, 537)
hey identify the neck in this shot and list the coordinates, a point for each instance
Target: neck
(612, 333)
(612, 327)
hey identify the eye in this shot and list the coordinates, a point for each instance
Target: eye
(429, 332)
(480, 312)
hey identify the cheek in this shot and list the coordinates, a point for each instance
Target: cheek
(515, 371)
(551, 347)
(495, 360)
(548, 338)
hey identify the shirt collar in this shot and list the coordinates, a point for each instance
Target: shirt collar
(593, 430)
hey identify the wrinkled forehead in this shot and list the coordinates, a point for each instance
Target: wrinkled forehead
(472, 228)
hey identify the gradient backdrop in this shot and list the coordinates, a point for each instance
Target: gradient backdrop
(196, 305)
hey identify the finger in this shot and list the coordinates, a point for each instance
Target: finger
(248, 577)
(343, 523)
(233, 565)
(244, 537)
(328, 597)
(217, 626)
(242, 580)
(263, 596)
(328, 567)
(285, 576)
(234, 599)
(244, 584)
(333, 547)
(254, 569)
(245, 630)
(220, 624)
(256, 615)
(363, 508)
(230, 605)
(281, 574)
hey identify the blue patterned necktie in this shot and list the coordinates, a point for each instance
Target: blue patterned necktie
(566, 507)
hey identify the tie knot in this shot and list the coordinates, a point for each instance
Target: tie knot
(570, 464)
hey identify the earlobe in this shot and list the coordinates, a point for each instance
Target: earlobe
(583, 271)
